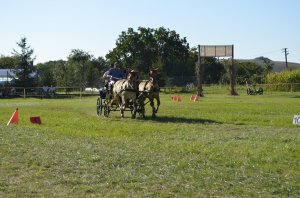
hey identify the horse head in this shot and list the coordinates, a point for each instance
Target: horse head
(153, 72)
(132, 75)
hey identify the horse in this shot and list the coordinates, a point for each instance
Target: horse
(125, 93)
(150, 89)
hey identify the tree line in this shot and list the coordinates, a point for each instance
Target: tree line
(136, 49)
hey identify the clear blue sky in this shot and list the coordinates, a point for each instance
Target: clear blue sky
(54, 27)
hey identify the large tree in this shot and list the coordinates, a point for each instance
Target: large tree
(51, 73)
(79, 60)
(24, 66)
(150, 47)
(250, 72)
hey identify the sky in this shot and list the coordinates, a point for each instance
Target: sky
(54, 27)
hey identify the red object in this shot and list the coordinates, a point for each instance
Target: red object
(196, 98)
(14, 118)
(35, 120)
(192, 98)
(178, 98)
(175, 98)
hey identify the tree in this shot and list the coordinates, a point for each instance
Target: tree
(51, 73)
(151, 47)
(24, 67)
(268, 66)
(8, 62)
(79, 60)
(214, 70)
(250, 72)
(100, 64)
(172, 50)
(61, 74)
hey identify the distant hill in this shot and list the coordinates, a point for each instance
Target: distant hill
(278, 65)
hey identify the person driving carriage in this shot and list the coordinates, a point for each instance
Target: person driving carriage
(112, 75)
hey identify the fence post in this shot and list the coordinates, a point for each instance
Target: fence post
(80, 93)
(24, 93)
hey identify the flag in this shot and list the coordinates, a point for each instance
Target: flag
(35, 120)
(14, 118)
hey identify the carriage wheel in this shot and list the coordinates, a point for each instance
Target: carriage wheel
(106, 110)
(99, 106)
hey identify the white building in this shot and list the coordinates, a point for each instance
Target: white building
(6, 75)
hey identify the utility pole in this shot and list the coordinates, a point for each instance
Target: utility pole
(285, 54)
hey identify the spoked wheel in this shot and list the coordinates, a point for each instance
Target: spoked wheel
(99, 106)
(106, 110)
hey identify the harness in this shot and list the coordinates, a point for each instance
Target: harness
(155, 89)
(128, 89)
(146, 84)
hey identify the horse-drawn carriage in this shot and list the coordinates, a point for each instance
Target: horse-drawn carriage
(128, 95)
(106, 104)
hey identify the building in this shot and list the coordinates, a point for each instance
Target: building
(6, 75)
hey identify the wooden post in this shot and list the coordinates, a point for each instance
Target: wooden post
(199, 73)
(232, 72)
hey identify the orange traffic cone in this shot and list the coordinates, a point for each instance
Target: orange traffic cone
(175, 98)
(196, 98)
(192, 98)
(14, 118)
(178, 98)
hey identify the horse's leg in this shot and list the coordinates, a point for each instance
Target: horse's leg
(119, 103)
(158, 103)
(122, 106)
(151, 99)
(134, 105)
(141, 100)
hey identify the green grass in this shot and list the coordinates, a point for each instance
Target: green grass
(225, 146)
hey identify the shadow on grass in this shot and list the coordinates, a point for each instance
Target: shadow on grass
(165, 119)
(295, 96)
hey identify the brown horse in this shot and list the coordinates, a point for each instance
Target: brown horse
(125, 92)
(150, 89)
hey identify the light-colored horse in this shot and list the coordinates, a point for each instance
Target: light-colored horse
(150, 89)
(125, 93)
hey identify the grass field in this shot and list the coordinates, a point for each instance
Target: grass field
(225, 146)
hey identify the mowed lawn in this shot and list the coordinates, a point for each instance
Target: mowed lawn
(224, 146)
